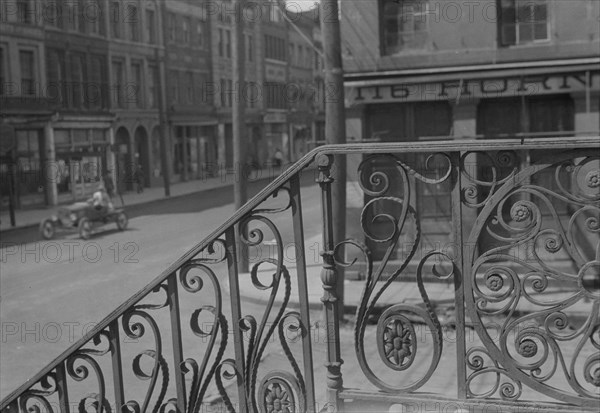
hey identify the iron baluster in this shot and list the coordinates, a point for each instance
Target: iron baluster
(329, 280)
(236, 316)
(117, 365)
(176, 339)
(459, 299)
(63, 392)
(303, 291)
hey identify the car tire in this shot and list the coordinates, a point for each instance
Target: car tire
(85, 228)
(47, 229)
(122, 221)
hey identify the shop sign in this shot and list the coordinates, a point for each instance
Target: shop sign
(475, 88)
(276, 117)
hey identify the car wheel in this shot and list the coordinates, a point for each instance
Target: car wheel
(85, 228)
(47, 229)
(122, 221)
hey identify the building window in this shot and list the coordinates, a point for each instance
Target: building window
(174, 78)
(186, 30)
(152, 86)
(523, 21)
(119, 84)
(77, 79)
(275, 95)
(95, 91)
(136, 90)
(200, 34)
(221, 42)
(172, 28)
(404, 25)
(94, 15)
(26, 59)
(115, 20)
(250, 53)
(2, 72)
(189, 84)
(150, 26)
(275, 48)
(25, 12)
(228, 44)
(133, 21)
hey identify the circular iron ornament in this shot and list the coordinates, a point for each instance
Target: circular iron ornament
(593, 179)
(520, 211)
(494, 282)
(396, 341)
(556, 348)
(528, 348)
(279, 392)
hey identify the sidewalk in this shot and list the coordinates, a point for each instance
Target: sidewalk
(30, 217)
(403, 291)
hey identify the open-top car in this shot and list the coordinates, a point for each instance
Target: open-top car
(83, 217)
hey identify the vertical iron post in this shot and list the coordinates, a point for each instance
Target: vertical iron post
(330, 279)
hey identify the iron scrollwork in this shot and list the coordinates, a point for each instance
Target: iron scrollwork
(396, 338)
(515, 273)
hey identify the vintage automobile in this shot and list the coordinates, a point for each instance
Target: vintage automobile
(84, 217)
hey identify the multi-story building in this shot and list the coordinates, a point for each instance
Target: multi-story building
(55, 95)
(85, 85)
(431, 69)
(136, 54)
(224, 14)
(190, 110)
(301, 86)
(26, 113)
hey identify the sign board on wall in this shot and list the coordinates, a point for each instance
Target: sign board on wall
(466, 89)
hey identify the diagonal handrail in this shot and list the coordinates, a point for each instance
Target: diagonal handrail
(297, 167)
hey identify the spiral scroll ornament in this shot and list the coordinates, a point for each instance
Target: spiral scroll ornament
(518, 279)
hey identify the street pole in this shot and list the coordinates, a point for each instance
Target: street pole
(335, 127)
(240, 194)
(162, 115)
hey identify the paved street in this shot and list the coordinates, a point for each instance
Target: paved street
(53, 292)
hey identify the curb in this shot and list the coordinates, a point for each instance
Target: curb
(151, 201)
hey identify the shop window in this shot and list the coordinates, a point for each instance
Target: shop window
(403, 25)
(523, 21)
(28, 161)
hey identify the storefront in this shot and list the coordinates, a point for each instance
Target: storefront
(82, 159)
(495, 101)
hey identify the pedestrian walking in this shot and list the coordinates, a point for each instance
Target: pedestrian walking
(138, 178)
(109, 185)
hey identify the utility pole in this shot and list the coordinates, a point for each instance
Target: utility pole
(335, 126)
(240, 194)
(162, 108)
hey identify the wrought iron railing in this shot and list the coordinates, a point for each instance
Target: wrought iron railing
(519, 327)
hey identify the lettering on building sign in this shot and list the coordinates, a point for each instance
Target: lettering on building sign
(475, 88)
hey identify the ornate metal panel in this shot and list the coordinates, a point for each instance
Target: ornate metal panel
(520, 268)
